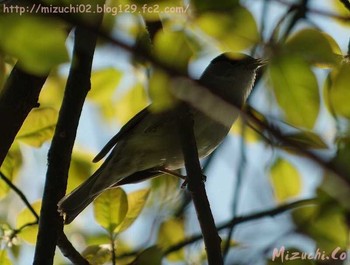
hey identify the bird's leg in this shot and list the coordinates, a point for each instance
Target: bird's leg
(175, 174)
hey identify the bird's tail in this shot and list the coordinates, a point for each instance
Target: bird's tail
(74, 203)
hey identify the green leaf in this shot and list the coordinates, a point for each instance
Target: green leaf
(104, 83)
(98, 254)
(296, 90)
(172, 48)
(337, 91)
(160, 93)
(133, 101)
(4, 258)
(80, 168)
(136, 202)
(38, 42)
(302, 43)
(150, 256)
(285, 180)
(308, 140)
(235, 30)
(38, 127)
(10, 168)
(25, 217)
(171, 232)
(110, 208)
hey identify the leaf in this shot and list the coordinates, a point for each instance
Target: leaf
(133, 101)
(202, 6)
(285, 180)
(307, 140)
(160, 93)
(38, 127)
(4, 258)
(296, 90)
(171, 232)
(28, 233)
(104, 83)
(150, 256)
(235, 30)
(38, 42)
(337, 91)
(302, 43)
(172, 48)
(80, 168)
(98, 254)
(110, 208)
(136, 202)
(10, 168)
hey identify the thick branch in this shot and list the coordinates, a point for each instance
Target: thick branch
(196, 186)
(17, 98)
(78, 85)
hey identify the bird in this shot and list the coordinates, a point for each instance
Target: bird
(149, 143)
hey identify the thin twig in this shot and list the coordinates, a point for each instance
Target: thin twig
(243, 219)
(20, 194)
(69, 251)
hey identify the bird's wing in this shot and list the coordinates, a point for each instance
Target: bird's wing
(123, 131)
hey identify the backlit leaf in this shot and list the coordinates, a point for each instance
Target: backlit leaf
(98, 254)
(171, 232)
(172, 48)
(150, 256)
(38, 127)
(25, 217)
(4, 258)
(234, 30)
(110, 208)
(285, 180)
(103, 84)
(136, 202)
(38, 42)
(10, 168)
(337, 91)
(133, 101)
(296, 90)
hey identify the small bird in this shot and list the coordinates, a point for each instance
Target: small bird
(149, 145)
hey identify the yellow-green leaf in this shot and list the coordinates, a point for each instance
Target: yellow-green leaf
(296, 90)
(110, 208)
(4, 258)
(38, 127)
(337, 92)
(38, 42)
(285, 180)
(172, 48)
(302, 43)
(160, 93)
(150, 256)
(234, 30)
(10, 168)
(103, 84)
(133, 101)
(136, 202)
(171, 232)
(225, 5)
(26, 217)
(98, 254)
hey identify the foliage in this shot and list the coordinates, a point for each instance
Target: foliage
(303, 95)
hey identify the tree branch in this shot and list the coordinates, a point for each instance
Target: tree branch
(77, 87)
(196, 186)
(18, 97)
(243, 219)
(69, 251)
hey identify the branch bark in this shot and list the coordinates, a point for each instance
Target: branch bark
(18, 97)
(196, 186)
(78, 85)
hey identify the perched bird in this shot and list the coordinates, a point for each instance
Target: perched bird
(149, 143)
